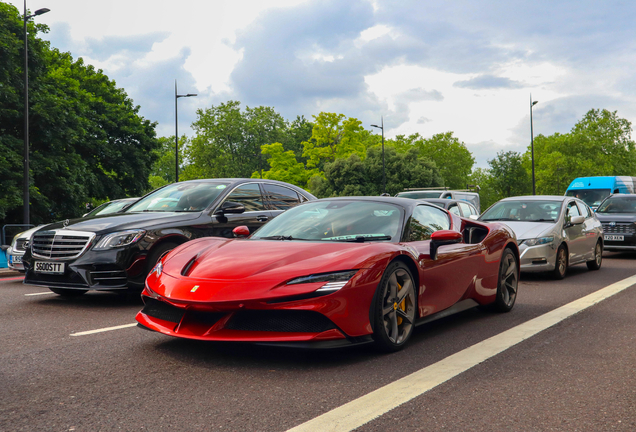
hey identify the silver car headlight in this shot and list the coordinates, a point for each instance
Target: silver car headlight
(538, 241)
(119, 239)
(333, 281)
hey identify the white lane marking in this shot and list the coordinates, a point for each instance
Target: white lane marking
(40, 293)
(372, 405)
(105, 329)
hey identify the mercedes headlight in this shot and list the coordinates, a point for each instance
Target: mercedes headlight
(538, 241)
(333, 281)
(119, 239)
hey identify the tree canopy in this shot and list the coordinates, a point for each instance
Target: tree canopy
(87, 139)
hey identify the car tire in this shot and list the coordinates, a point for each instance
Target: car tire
(561, 263)
(508, 282)
(595, 264)
(66, 292)
(394, 308)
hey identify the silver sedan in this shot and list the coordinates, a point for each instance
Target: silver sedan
(554, 232)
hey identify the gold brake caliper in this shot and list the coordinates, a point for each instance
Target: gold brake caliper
(402, 305)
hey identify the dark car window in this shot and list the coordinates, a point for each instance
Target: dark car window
(180, 197)
(280, 197)
(618, 204)
(249, 195)
(425, 221)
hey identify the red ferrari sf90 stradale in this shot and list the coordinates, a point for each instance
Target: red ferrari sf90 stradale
(333, 272)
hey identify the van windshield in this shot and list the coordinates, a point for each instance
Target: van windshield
(591, 197)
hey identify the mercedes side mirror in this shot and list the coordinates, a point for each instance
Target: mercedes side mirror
(441, 238)
(241, 231)
(230, 207)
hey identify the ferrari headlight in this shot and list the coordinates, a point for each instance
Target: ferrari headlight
(538, 241)
(119, 239)
(157, 268)
(333, 281)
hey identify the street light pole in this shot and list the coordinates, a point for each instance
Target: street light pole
(176, 131)
(383, 165)
(534, 191)
(25, 190)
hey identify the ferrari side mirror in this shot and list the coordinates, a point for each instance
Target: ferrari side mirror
(241, 231)
(441, 238)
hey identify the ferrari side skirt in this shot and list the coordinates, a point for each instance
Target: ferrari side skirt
(460, 306)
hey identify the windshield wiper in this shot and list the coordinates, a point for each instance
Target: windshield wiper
(362, 239)
(278, 237)
(499, 219)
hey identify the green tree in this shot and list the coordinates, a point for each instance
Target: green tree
(284, 166)
(454, 160)
(335, 136)
(356, 176)
(599, 144)
(509, 177)
(87, 140)
(228, 140)
(483, 178)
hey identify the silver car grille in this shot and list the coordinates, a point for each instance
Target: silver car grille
(60, 244)
(619, 228)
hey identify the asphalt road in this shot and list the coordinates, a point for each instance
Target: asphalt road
(575, 376)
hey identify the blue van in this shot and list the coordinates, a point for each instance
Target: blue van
(593, 190)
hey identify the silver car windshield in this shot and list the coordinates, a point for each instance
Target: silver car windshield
(180, 197)
(522, 210)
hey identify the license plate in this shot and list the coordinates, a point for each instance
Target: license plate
(613, 238)
(49, 267)
(15, 259)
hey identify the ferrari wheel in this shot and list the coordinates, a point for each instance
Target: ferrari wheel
(508, 282)
(394, 308)
(561, 265)
(595, 264)
(65, 292)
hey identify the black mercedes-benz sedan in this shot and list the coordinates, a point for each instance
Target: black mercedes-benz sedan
(116, 252)
(617, 213)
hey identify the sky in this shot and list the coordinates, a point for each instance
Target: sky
(426, 67)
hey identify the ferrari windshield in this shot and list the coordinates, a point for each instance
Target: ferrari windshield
(618, 205)
(180, 197)
(523, 210)
(336, 220)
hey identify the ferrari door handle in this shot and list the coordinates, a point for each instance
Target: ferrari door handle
(262, 218)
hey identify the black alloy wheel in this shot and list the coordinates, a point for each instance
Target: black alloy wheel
(394, 308)
(508, 282)
(595, 264)
(561, 264)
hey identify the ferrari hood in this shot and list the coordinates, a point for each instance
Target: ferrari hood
(215, 270)
(220, 259)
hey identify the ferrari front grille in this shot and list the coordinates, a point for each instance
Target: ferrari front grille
(163, 311)
(285, 321)
(60, 244)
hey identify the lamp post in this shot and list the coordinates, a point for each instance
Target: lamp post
(534, 191)
(383, 166)
(25, 193)
(176, 131)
